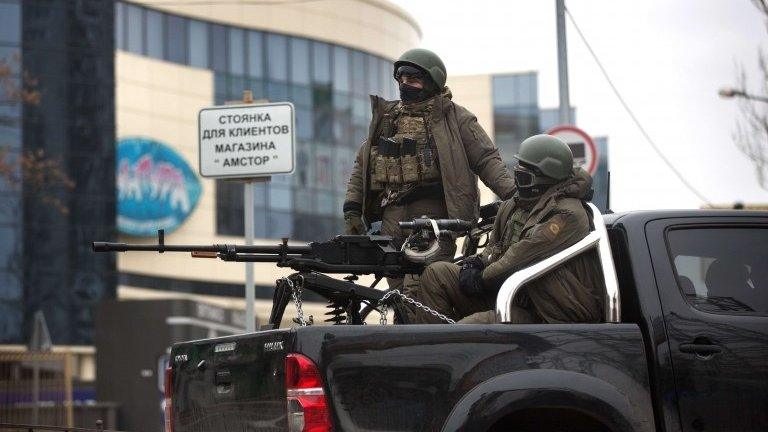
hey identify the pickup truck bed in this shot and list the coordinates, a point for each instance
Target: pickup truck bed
(416, 377)
(688, 353)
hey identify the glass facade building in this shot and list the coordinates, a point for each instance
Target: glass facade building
(11, 290)
(328, 84)
(516, 112)
(57, 157)
(516, 116)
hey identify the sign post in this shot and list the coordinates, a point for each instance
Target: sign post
(250, 288)
(250, 142)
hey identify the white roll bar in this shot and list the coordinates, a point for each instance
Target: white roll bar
(595, 239)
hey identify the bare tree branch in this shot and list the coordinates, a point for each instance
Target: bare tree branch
(39, 174)
(751, 135)
(762, 5)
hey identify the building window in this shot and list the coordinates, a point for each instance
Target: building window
(135, 27)
(374, 79)
(387, 79)
(155, 35)
(342, 118)
(255, 54)
(300, 61)
(341, 76)
(219, 48)
(236, 51)
(359, 73)
(515, 112)
(198, 44)
(321, 63)
(11, 203)
(515, 90)
(119, 25)
(277, 58)
(177, 39)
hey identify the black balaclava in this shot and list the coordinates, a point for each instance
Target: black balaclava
(411, 94)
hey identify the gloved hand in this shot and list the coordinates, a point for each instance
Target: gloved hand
(353, 223)
(353, 220)
(471, 277)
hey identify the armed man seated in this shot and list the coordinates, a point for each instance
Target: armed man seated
(545, 216)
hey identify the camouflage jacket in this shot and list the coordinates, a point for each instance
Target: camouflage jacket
(464, 152)
(570, 293)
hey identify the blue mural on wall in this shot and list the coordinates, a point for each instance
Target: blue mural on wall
(156, 188)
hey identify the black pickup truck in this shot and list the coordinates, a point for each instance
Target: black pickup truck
(684, 347)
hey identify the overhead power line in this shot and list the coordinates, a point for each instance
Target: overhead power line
(632, 114)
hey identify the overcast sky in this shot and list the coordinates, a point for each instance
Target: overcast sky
(667, 58)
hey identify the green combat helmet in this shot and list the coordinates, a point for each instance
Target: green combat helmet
(544, 161)
(548, 154)
(427, 60)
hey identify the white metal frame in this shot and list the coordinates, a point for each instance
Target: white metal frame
(595, 239)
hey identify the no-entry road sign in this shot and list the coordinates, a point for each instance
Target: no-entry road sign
(242, 141)
(581, 144)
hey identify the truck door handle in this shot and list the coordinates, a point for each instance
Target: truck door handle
(701, 349)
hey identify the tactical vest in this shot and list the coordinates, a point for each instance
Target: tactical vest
(514, 227)
(511, 234)
(409, 159)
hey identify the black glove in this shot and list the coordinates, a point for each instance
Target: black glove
(471, 277)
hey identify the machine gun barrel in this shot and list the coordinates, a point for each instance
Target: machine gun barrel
(218, 248)
(227, 252)
(456, 225)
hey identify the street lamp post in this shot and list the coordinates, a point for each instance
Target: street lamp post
(728, 93)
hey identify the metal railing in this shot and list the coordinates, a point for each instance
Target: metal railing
(596, 239)
(36, 387)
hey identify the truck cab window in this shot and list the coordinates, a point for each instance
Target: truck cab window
(722, 270)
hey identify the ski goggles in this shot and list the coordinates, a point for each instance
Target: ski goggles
(409, 71)
(524, 177)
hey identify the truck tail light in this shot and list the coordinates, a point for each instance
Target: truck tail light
(307, 406)
(168, 391)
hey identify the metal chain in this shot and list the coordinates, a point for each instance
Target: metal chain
(384, 310)
(296, 294)
(418, 304)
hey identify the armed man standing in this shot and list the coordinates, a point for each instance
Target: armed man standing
(422, 156)
(545, 216)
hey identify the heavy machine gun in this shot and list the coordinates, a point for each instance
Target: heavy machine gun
(353, 255)
(346, 254)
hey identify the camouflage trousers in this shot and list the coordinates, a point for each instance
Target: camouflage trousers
(430, 207)
(438, 288)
